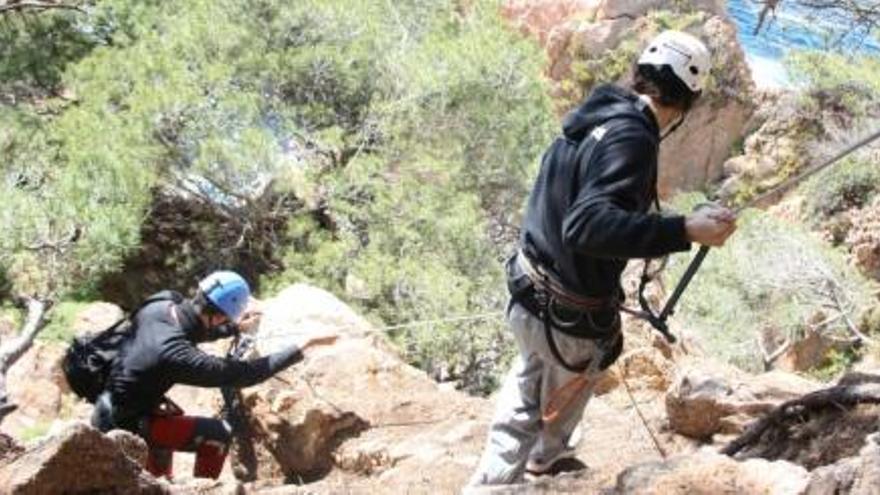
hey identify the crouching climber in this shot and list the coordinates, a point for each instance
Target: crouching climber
(160, 351)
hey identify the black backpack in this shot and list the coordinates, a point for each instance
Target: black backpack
(89, 358)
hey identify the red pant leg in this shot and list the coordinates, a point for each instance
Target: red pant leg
(208, 438)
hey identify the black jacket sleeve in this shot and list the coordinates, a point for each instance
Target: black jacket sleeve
(605, 220)
(189, 365)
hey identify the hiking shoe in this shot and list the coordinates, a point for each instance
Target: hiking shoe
(538, 467)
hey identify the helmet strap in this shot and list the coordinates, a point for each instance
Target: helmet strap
(675, 126)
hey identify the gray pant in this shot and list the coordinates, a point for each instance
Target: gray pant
(518, 432)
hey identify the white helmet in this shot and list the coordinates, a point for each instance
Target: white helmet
(686, 55)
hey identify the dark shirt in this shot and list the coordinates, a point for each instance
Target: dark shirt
(588, 212)
(162, 352)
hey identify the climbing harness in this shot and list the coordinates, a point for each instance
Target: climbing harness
(546, 297)
(659, 320)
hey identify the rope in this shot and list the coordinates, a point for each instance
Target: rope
(638, 410)
(411, 324)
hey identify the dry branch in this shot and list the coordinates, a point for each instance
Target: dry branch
(15, 349)
(793, 411)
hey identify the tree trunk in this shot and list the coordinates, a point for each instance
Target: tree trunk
(16, 348)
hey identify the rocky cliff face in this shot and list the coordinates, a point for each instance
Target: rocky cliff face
(594, 41)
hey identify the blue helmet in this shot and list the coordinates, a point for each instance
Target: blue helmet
(228, 291)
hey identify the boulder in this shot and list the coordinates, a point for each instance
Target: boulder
(36, 385)
(96, 317)
(647, 368)
(543, 18)
(710, 473)
(133, 446)
(827, 426)
(810, 352)
(701, 402)
(78, 460)
(859, 475)
(355, 406)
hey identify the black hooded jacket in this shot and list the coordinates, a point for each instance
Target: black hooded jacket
(163, 352)
(588, 212)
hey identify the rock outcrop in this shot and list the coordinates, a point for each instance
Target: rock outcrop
(863, 239)
(77, 460)
(355, 406)
(702, 403)
(96, 317)
(709, 473)
(354, 418)
(36, 385)
(858, 475)
(594, 41)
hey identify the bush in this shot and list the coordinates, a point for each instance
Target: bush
(854, 78)
(850, 184)
(767, 282)
(59, 328)
(378, 149)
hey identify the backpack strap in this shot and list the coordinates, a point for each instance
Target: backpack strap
(168, 295)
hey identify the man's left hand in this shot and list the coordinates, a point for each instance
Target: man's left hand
(250, 319)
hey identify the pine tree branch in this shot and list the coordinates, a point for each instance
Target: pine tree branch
(22, 5)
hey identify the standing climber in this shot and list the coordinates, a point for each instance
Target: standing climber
(588, 213)
(161, 351)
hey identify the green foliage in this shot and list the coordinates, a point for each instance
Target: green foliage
(59, 327)
(35, 431)
(456, 119)
(35, 49)
(855, 79)
(770, 279)
(850, 184)
(838, 363)
(368, 147)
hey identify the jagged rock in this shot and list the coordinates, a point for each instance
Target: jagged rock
(863, 239)
(700, 403)
(305, 421)
(544, 18)
(133, 446)
(694, 155)
(96, 317)
(628, 9)
(858, 475)
(818, 429)
(647, 368)
(78, 460)
(837, 478)
(710, 473)
(201, 486)
(9, 448)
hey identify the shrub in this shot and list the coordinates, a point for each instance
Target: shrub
(768, 281)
